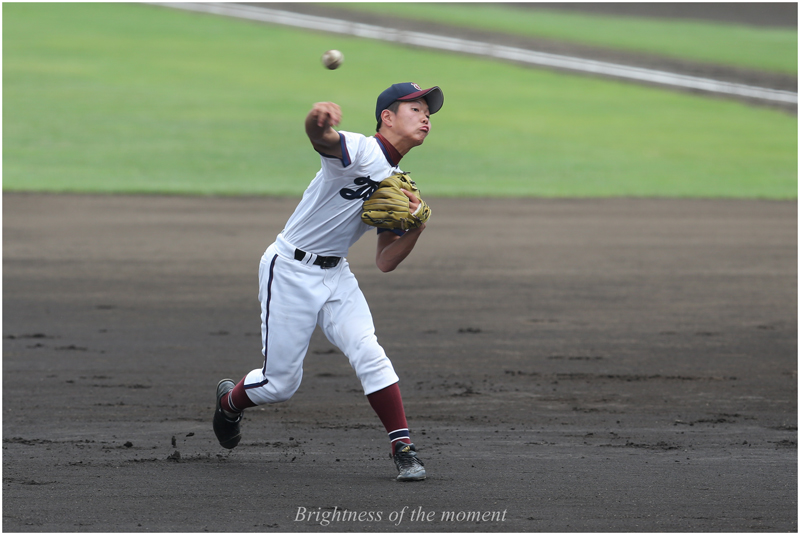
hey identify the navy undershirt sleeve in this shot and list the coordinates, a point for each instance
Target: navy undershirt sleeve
(345, 159)
(397, 231)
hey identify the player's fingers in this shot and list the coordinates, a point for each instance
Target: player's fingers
(329, 119)
(410, 195)
(413, 201)
(322, 117)
(328, 114)
(336, 115)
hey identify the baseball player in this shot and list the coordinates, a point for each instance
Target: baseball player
(304, 277)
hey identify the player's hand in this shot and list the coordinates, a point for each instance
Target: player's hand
(413, 201)
(326, 114)
(319, 122)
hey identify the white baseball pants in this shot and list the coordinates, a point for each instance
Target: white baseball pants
(295, 298)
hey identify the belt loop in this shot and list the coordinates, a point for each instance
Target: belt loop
(311, 259)
(304, 257)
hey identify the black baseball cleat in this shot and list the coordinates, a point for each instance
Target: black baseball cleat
(227, 430)
(405, 459)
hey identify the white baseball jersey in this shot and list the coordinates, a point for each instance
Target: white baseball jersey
(297, 295)
(327, 221)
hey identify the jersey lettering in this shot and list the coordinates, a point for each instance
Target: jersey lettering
(366, 190)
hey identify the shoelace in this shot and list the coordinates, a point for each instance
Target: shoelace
(407, 459)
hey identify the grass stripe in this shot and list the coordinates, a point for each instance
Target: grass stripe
(770, 49)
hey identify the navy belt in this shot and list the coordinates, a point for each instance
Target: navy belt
(325, 262)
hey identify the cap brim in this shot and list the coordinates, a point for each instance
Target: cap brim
(433, 96)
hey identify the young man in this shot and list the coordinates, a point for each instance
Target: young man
(306, 281)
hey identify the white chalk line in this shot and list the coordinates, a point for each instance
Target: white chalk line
(453, 44)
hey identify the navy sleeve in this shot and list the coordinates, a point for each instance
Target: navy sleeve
(397, 231)
(345, 159)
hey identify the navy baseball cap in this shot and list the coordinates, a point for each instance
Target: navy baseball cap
(409, 91)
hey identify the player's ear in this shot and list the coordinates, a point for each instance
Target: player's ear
(387, 116)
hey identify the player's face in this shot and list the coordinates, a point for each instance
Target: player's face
(413, 121)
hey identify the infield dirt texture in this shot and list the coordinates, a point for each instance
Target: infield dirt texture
(606, 365)
(567, 366)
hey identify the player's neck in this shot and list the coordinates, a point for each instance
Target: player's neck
(400, 144)
(392, 154)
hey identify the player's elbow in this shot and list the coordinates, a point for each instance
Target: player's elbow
(386, 267)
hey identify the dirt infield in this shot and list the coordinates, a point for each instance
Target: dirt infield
(603, 365)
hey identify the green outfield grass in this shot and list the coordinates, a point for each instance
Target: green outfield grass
(771, 49)
(137, 98)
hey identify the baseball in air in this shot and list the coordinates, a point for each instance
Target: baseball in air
(332, 59)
